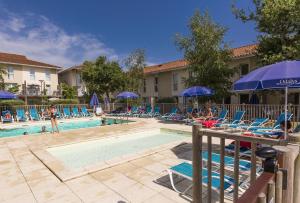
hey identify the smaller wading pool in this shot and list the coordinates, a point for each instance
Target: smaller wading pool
(84, 154)
(29, 129)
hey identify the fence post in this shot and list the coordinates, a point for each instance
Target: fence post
(278, 187)
(271, 191)
(197, 165)
(261, 198)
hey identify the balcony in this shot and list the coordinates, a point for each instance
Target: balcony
(36, 90)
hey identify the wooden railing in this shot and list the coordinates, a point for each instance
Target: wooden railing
(257, 188)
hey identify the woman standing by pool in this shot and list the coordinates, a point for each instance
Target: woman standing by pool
(53, 118)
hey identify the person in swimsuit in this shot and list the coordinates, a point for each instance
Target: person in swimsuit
(53, 118)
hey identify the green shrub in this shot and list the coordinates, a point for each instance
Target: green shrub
(64, 101)
(9, 103)
(166, 100)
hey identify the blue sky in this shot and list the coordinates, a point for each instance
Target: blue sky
(68, 32)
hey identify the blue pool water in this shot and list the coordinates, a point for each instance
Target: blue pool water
(83, 154)
(70, 125)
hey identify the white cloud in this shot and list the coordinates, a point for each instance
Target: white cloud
(40, 39)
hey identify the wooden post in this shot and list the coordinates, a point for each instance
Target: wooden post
(236, 170)
(297, 180)
(209, 179)
(278, 187)
(253, 163)
(271, 191)
(222, 171)
(288, 155)
(262, 198)
(197, 165)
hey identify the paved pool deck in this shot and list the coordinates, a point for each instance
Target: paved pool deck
(24, 178)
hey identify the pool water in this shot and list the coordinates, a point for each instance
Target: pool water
(62, 126)
(80, 155)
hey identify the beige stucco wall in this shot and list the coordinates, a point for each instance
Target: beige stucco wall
(70, 77)
(21, 74)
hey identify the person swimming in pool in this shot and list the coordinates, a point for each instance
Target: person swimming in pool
(53, 118)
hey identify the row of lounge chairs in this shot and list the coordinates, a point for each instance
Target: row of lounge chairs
(33, 114)
(139, 112)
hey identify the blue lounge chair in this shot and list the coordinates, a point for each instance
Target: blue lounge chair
(75, 112)
(185, 170)
(244, 165)
(222, 116)
(173, 112)
(276, 125)
(67, 113)
(237, 118)
(148, 112)
(85, 112)
(34, 116)
(6, 117)
(253, 125)
(156, 112)
(21, 115)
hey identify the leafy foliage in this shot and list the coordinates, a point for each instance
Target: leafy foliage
(64, 101)
(2, 73)
(14, 89)
(68, 92)
(278, 24)
(135, 65)
(207, 55)
(11, 102)
(102, 76)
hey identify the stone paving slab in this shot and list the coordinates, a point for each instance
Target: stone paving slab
(24, 178)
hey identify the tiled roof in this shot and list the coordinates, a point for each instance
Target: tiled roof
(165, 66)
(22, 60)
(248, 50)
(78, 67)
(243, 51)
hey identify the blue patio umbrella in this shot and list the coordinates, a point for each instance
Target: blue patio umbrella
(94, 101)
(196, 91)
(127, 95)
(282, 75)
(7, 95)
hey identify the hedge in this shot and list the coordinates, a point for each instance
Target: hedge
(64, 101)
(9, 102)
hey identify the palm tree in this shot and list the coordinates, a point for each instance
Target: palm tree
(2, 73)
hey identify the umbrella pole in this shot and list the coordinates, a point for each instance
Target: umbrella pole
(286, 111)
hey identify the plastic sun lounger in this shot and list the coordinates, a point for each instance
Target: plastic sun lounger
(244, 165)
(244, 151)
(185, 170)
(6, 116)
(254, 124)
(276, 125)
(173, 112)
(75, 112)
(85, 112)
(238, 116)
(34, 114)
(67, 113)
(21, 115)
(215, 120)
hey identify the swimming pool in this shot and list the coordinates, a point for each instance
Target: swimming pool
(84, 154)
(63, 126)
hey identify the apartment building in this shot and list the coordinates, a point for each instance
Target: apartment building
(72, 77)
(33, 78)
(167, 80)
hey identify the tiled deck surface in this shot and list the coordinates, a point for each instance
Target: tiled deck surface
(23, 178)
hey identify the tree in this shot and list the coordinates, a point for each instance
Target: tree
(14, 89)
(2, 73)
(207, 55)
(278, 24)
(68, 92)
(102, 76)
(135, 65)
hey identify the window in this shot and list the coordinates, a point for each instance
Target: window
(144, 85)
(156, 84)
(175, 81)
(32, 74)
(78, 79)
(244, 98)
(48, 75)
(10, 73)
(244, 69)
